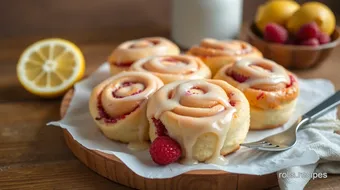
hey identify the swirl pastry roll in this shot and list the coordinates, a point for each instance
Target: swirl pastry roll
(130, 51)
(217, 53)
(172, 68)
(118, 106)
(208, 118)
(271, 90)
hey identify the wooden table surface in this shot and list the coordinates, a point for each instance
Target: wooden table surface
(34, 156)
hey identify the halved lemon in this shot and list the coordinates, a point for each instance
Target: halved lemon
(50, 67)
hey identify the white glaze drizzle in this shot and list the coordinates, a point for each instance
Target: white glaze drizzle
(190, 128)
(230, 47)
(259, 75)
(159, 64)
(144, 82)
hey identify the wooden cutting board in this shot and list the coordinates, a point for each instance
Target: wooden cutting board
(113, 169)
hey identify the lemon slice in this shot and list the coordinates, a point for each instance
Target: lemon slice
(50, 67)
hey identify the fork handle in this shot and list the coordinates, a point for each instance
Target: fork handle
(322, 108)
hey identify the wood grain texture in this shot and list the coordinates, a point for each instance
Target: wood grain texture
(112, 168)
(81, 18)
(35, 156)
(53, 175)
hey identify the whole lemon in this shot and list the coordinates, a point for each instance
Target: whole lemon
(309, 12)
(278, 11)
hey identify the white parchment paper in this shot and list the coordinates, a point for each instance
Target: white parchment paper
(79, 123)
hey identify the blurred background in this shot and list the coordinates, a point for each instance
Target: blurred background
(101, 20)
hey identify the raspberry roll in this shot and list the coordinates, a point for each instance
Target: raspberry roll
(216, 54)
(130, 51)
(208, 118)
(271, 90)
(118, 106)
(172, 68)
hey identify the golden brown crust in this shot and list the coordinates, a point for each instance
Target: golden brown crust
(130, 51)
(173, 67)
(216, 53)
(118, 105)
(225, 153)
(261, 98)
(192, 119)
(271, 90)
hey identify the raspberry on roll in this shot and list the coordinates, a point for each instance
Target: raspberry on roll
(206, 118)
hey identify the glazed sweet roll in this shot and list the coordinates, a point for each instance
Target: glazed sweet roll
(207, 118)
(118, 106)
(271, 90)
(130, 51)
(217, 53)
(172, 68)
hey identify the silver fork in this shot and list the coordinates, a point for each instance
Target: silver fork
(287, 138)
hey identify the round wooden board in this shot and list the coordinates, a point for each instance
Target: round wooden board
(112, 168)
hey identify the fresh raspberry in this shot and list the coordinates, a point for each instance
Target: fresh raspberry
(238, 77)
(310, 42)
(324, 38)
(308, 31)
(165, 150)
(160, 128)
(275, 33)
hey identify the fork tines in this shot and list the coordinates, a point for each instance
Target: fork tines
(258, 144)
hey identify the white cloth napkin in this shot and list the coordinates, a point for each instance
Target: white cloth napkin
(315, 143)
(322, 139)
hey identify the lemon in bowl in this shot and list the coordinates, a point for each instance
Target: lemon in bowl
(312, 12)
(278, 11)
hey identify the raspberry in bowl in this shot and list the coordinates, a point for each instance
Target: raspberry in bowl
(296, 37)
(293, 53)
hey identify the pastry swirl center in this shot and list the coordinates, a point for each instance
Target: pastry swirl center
(143, 43)
(198, 107)
(128, 89)
(171, 65)
(213, 47)
(259, 73)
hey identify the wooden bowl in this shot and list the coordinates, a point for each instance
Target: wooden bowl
(292, 56)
